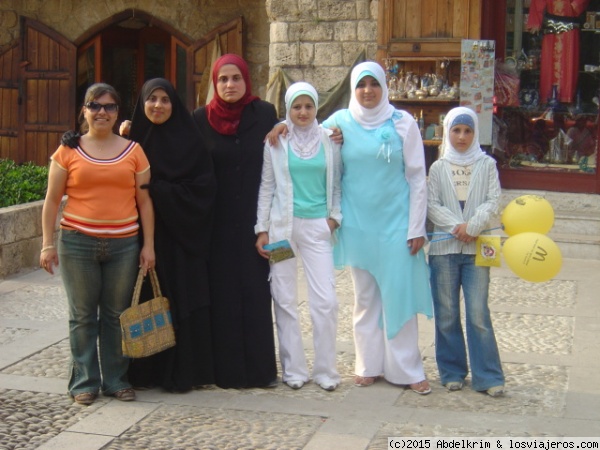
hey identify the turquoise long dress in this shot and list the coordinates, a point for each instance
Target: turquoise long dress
(375, 204)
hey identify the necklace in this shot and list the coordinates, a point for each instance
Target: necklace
(98, 144)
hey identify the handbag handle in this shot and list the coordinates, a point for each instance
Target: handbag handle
(138, 286)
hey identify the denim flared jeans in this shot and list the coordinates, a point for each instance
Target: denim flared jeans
(99, 276)
(448, 274)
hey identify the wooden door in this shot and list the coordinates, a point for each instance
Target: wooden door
(47, 91)
(200, 58)
(426, 27)
(9, 102)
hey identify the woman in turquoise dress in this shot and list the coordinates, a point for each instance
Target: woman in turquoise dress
(384, 199)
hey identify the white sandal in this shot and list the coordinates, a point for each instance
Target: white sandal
(421, 388)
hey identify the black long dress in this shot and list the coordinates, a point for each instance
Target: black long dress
(183, 189)
(242, 322)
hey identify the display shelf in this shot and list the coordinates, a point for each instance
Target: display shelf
(427, 100)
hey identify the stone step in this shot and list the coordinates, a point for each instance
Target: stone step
(577, 245)
(574, 222)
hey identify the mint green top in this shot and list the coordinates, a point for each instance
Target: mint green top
(309, 184)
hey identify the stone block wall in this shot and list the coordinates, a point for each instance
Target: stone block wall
(318, 40)
(20, 237)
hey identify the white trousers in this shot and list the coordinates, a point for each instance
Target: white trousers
(397, 359)
(311, 242)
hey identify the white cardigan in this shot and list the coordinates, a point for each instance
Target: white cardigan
(443, 208)
(276, 197)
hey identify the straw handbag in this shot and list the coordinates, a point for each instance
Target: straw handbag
(147, 328)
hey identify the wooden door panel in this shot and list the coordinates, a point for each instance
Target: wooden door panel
(9, 97)
(414, 24)
(413, 19)
(475, 19)
(460, 19)
(47, 81)
(395, 20)
(429, 14)
(46, 104)
(444, 18)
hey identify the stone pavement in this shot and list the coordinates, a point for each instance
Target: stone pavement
(548, 333)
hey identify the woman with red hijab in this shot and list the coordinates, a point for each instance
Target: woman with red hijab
(234, 125)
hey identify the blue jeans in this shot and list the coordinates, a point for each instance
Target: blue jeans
(99, 275)
(448, 274)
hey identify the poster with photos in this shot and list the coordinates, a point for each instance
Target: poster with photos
(477, 83)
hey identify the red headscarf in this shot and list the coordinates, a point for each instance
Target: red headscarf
(225, 117)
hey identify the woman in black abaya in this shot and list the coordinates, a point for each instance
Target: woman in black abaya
(234, 125)
(183, 190)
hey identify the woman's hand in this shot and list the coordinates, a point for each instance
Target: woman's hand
(416, 244)
(332, 223)
(273, 135)
(261, 241)
(337, 136)
(70, 138)
(147, 258)
(125, 127)
(49, 259)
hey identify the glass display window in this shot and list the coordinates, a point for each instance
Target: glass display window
(547, 90)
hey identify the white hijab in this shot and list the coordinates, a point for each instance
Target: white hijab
(474, 152)
(374, 117)
(305, 142)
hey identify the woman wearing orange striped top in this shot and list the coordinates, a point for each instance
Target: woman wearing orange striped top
(98, 246)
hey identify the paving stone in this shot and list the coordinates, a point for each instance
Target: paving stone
(28, 419)
(518, 292)
(35, 302)
(185, 427)
(9, 335)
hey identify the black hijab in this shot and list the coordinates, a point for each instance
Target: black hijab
(182, 183)
(171, 146)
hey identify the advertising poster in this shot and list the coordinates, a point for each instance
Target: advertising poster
(477, 83)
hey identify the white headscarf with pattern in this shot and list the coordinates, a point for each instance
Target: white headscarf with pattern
(305, 142)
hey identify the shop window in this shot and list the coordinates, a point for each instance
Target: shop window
(548, 88)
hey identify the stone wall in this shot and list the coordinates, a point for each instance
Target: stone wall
(318, 40)
(20, 237)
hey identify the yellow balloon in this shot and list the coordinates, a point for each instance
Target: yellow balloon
(528, 213)
(532, 256)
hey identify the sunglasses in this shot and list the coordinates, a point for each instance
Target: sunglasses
(96, 107)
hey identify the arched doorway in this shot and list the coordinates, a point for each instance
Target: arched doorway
(134, 48)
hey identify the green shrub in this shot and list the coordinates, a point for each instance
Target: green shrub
(21, 183)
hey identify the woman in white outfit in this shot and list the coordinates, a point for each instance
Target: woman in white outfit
(299, 201)
(384, 204)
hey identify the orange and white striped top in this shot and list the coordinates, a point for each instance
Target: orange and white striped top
(101, 192)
